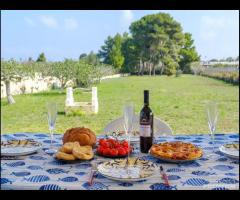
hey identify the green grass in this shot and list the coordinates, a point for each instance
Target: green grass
(178, 101)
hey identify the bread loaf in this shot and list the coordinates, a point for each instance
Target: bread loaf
(83, 136)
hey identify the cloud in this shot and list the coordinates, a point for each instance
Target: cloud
(211, 27)
(208, 35)
(127, 17)
(211, 22)
(70, 24)
(48, 21)
(29, 21)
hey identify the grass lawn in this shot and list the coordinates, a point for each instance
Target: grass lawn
(178, 101)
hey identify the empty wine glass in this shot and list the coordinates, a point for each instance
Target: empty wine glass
(212, 116)
(1, 125)
(51, 116)
(128, 116)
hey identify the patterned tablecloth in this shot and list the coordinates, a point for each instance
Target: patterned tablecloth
(42, 172)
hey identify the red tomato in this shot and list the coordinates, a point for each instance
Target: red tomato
(112, 141)
(106, 151)
(125, 143)
(100, 150)
(121, 151)
(113, 152)
(117, 144)
(101, 141)
(105, 144)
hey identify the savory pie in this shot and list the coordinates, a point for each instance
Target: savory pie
(176, 151)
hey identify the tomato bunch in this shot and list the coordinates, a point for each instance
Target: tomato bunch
(113, 147)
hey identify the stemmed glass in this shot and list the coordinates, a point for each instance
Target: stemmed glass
(212, 116)
(128, 116)
(51, 116)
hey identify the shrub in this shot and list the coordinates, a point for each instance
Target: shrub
(229, 77)
(179, 73)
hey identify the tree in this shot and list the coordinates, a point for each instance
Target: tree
(30, 59)
(229, 59)
(12, 71)
(64, 71)
(115, 55)
(130, 54)
(92, 59)
(42, 58)
(105, 50)
(188, 54)
(83, 55)
(213, 60)
(237, 58)
(83, 74)
(157, 36)
(172, 65)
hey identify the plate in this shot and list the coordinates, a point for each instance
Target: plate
(170, 147)
(134, 136)
(106, 156)
(230, 150)
(138, 169)
(19, 147)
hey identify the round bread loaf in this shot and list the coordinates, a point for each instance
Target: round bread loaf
(80, 134)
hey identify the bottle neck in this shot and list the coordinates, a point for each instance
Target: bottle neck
(146, 98)
(146, 104)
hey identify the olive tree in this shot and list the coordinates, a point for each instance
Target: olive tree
(12, 71)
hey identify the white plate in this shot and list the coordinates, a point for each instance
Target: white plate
(137, 171)
(230, 150)
(134, 137)
(19, 147)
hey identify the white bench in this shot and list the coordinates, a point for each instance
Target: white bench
(89, 107)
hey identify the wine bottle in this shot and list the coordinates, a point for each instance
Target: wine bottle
(146, 125)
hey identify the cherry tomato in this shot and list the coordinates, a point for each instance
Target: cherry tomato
(105, 144)
(99, 149)
(101, 141)
(117, 144)
(121, 151)
(106, 151)
(113, 152)
(125, 143)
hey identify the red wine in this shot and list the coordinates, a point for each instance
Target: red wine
(146, 125)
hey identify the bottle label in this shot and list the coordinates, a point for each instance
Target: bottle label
(145, 130)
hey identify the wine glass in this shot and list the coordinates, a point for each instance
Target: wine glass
(212, 116)
(51, 116)
(128, 116)
(1, 125)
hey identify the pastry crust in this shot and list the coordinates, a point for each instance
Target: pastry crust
(67, 147)
(73, 151)
(80, 134)
(82, 152)
(176, 151)
(64, 156)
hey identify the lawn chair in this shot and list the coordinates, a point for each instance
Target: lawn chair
(160, 127)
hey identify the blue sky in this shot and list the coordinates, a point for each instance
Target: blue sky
(67, 34)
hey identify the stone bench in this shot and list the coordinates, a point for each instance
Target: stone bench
(81, 107)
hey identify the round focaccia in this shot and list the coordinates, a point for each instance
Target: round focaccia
(176, 150)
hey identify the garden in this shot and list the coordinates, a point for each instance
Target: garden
(130, 116)
(180, 101)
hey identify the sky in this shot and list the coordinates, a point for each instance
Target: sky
(67, 34)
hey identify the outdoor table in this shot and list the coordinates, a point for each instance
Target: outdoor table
(41, 171)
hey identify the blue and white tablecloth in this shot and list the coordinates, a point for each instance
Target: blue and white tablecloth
(42, 172)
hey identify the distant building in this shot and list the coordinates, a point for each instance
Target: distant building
(211, 63)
